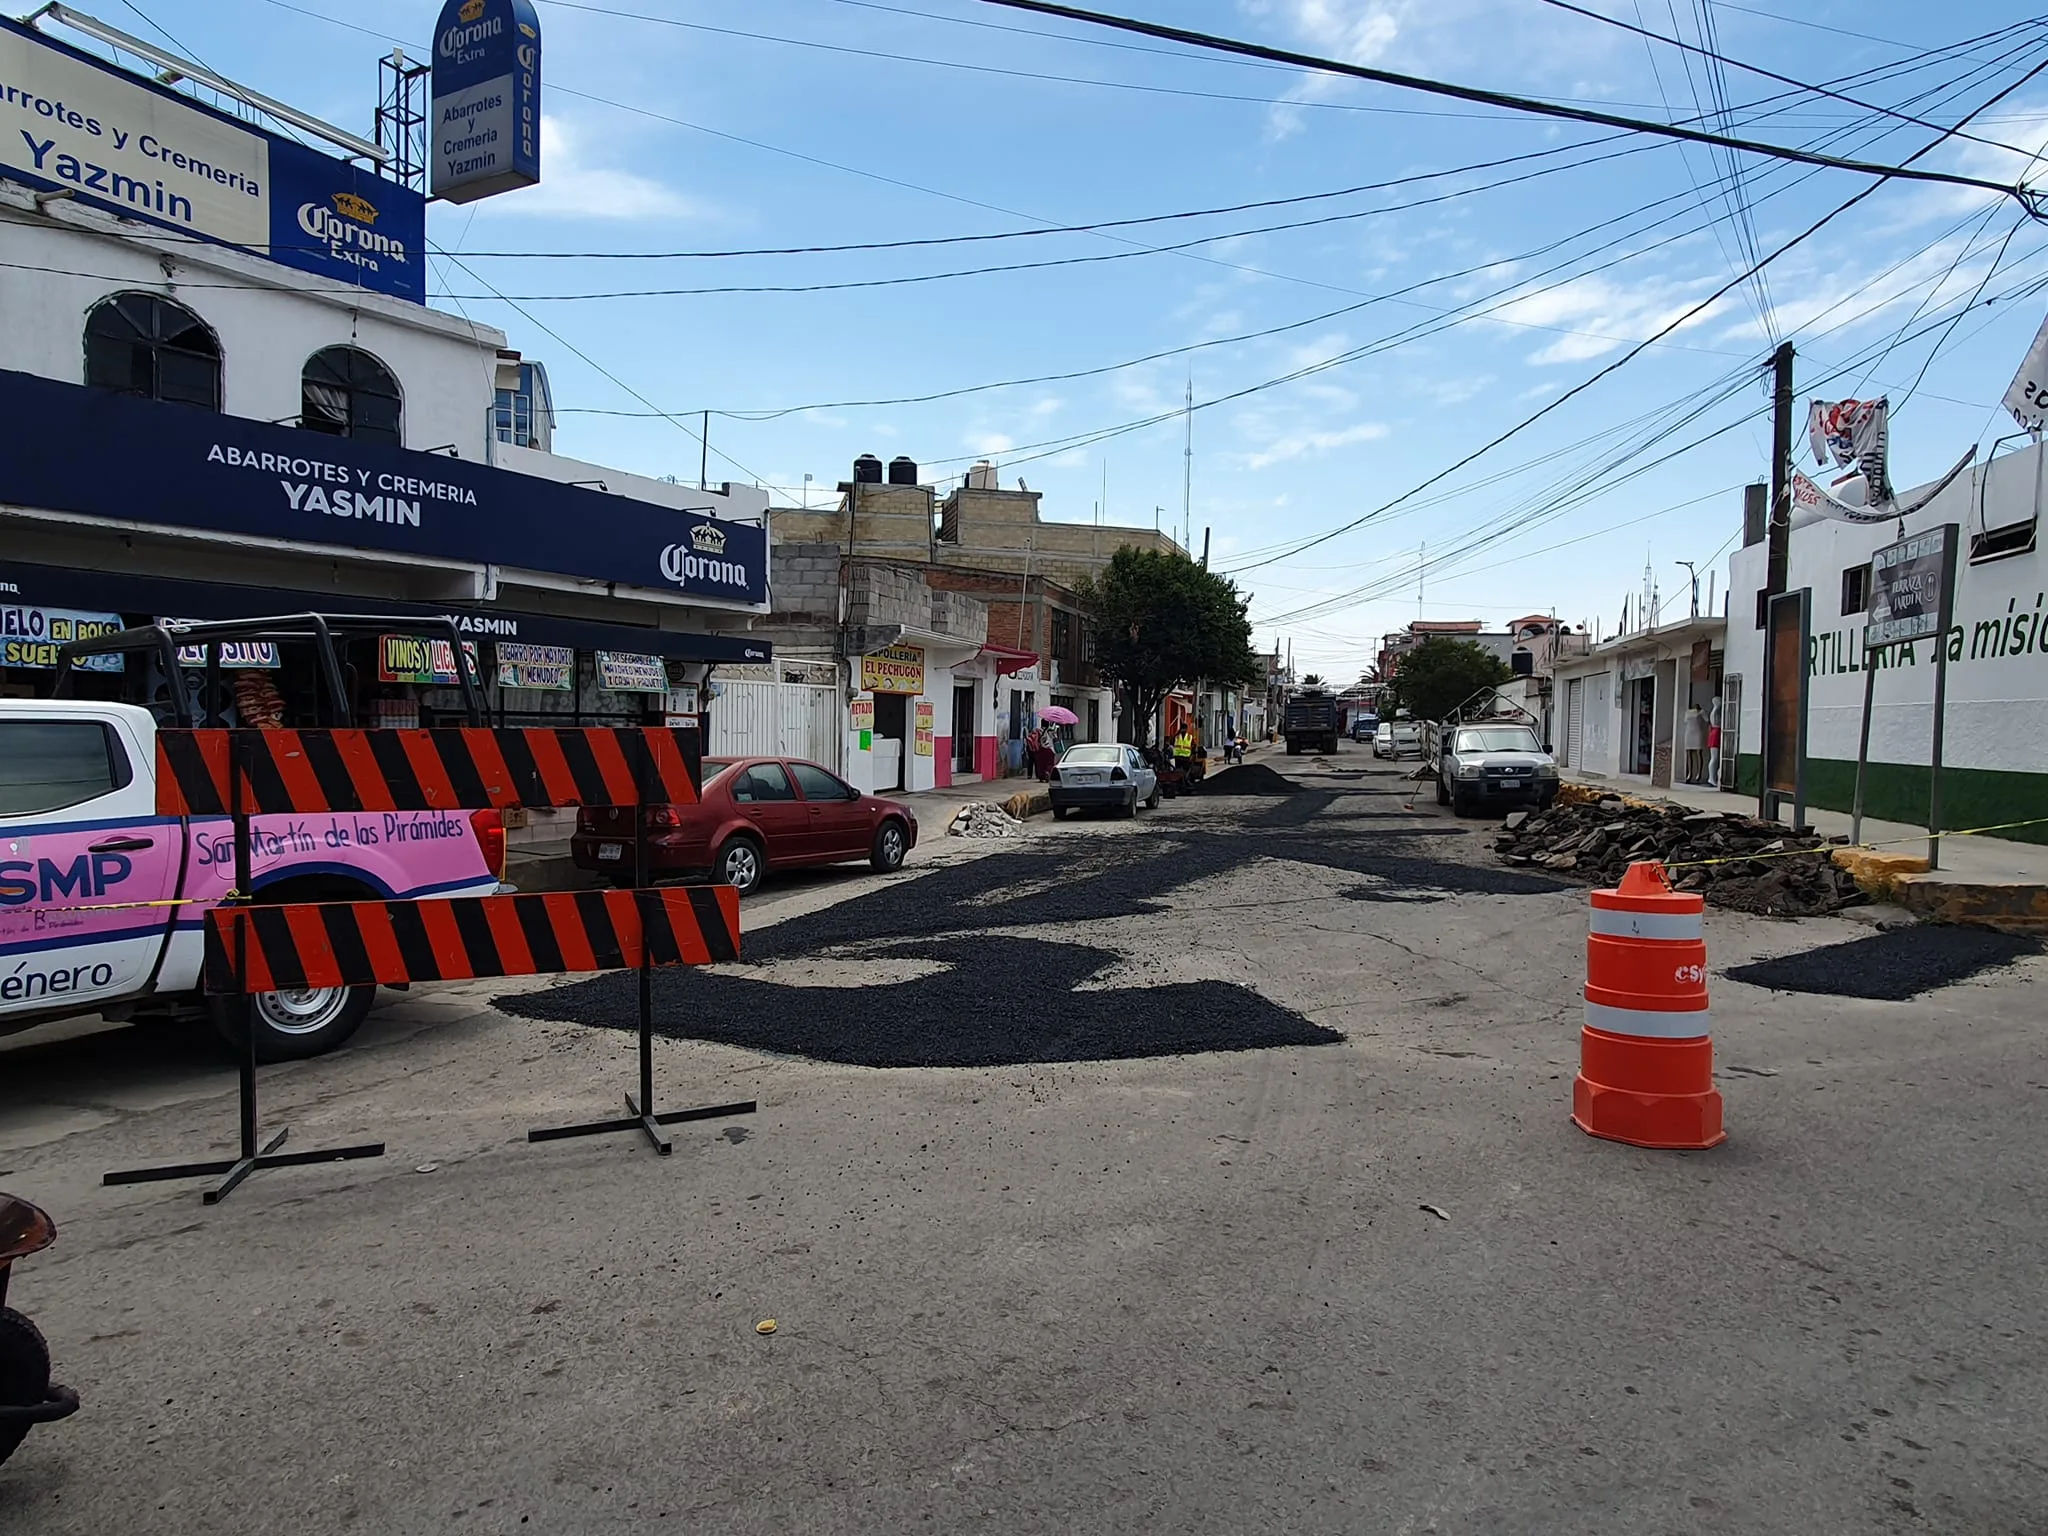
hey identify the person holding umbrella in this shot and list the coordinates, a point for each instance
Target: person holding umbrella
(1051, 722)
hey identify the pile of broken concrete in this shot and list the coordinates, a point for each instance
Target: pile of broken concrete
(984, 818)
(1737, 861)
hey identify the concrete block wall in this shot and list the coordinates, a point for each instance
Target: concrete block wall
(957, 613)
(804, 582)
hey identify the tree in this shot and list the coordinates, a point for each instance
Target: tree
(1159, 622)
(1313, 680)
(1440, 674)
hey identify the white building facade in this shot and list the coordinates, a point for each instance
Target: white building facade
(1995, 750)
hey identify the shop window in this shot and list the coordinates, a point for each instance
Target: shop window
(1856, 589)
(139, 344)
(345, 392)
(1063, 634)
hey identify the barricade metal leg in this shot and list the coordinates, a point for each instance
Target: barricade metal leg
(641, 1115)
(252, 1156)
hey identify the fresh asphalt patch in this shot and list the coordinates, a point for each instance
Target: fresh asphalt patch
(997, 1001)
(953, 916)
(1892, 966)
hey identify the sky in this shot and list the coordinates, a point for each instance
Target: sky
(1342, 368)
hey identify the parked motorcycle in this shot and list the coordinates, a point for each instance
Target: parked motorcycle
(27, 1395)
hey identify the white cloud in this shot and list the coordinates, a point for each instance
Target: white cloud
(1300, 443)
(990, 442)
(571, 187)
(1598, 316)
(1047, 406)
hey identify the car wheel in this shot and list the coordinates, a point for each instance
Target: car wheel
(739, 865)
(1130, 806)
(1152, 800)
(293, 1025)
(24, 1374)
(1059, 812)
(1461, 805)
(890, 847)
(1443, 794)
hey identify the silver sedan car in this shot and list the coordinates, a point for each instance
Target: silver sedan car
(1107, 775)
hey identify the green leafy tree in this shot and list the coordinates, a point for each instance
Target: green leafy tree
(1440, 674)
(1160, 622)
(1313, 680)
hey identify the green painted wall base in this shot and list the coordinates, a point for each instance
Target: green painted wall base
(1970, 797)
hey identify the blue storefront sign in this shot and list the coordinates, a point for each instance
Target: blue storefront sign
(484, 125)
(90, 451)
(74, 123)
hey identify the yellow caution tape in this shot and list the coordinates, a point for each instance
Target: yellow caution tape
(1830, 848)
(132, 906)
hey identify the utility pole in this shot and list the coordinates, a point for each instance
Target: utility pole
(1421, 573)
(1778, 554)
(1187, 470)
(1780, 524)
(704, 455)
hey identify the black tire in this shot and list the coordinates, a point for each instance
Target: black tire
(1059, 812)
(1130, 806)
(294, 1026)
(1443, 795)
(1152, 800)
(24, 1373)
(892, 843)
(740, 864)
(1461, 805)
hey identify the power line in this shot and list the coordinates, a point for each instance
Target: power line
(1510, 102)
(1754, 69)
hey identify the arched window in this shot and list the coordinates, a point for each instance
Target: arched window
(349, 393)
(143, 345)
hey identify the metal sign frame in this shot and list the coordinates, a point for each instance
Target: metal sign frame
(1938, 545)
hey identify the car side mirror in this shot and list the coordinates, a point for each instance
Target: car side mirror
(852, 793)
(1547, 748)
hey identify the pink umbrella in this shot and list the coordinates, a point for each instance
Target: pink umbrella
(1059, 715)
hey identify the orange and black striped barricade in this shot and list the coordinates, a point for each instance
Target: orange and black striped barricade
(1646, 1054)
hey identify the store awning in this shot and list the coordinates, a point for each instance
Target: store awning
(1009, 659)
(166, 597)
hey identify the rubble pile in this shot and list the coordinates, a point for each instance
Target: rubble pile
(1767, 870)
(984, 818)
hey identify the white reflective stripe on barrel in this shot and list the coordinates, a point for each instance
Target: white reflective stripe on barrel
(1618, 924)
(1652, 1026)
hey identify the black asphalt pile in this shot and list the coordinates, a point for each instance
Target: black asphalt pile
(1250, 779)
(953, 914)
(1737, 861)
(1890, 967)
(999, 1001)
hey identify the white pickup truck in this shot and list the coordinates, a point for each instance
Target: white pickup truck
(102, 899)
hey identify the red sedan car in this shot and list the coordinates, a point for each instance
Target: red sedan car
(756, 814)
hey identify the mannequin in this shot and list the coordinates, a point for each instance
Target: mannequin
(1695, 746)
(1714, 743)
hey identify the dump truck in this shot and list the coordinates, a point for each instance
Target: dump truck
(1310, 722)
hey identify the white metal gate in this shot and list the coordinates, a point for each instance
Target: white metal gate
(1574, 715)
(779, 720)
(1731, 729)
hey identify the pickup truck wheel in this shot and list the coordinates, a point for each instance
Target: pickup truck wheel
(1461, 805)
(24, 1373)
(1443, 795)
(292, 1026)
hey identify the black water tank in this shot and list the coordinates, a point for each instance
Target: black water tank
(867, 470)
(903, 470)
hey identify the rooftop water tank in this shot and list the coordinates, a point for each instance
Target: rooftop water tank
(903, 470)
(867, 470)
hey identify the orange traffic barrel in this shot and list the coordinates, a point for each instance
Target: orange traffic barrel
(1646, 1056)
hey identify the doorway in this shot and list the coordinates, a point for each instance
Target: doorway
(963, 728)
(891, 739)
(1642, 726)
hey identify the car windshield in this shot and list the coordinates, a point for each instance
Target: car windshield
(1110, 755)
(1499, 738)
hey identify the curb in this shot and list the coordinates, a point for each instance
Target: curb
(2012, 908)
